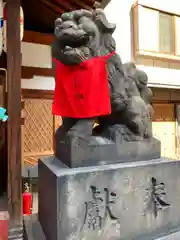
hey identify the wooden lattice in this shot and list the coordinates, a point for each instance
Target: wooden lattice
(38, 127)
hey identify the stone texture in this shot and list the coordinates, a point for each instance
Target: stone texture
(79, 152)
(128, 206)
(33, 230)
(173, 236)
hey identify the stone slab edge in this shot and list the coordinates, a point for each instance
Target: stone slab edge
(33, 230)
(173, 236)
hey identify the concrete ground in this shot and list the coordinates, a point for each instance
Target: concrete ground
(3, 218)
(6, 232)
(34, 231)
(174, 236)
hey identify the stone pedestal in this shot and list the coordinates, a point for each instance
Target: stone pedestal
(82, 151)
(127, 201)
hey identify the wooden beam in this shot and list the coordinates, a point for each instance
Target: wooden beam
(39, 38)
(65, 4)
(29, 72)
(14, 111)
(91, 1)
(82, 4)
(37, 94)
(57, 10)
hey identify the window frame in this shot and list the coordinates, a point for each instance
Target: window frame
(136, 52)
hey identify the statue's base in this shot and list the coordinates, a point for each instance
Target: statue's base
(95, 151)
(33, 231)
(110, 202)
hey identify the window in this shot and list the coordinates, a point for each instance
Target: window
(155, 32)
(166, 33)
(177, 27)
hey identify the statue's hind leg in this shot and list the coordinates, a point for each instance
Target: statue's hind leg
(61, 132)
(74, 127)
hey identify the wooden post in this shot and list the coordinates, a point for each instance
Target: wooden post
(14, 110)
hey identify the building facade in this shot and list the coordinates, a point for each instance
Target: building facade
(148, 33)
(37, 86)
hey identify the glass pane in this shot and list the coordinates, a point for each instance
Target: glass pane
(148, 33)
(177, 36)
(165, 33)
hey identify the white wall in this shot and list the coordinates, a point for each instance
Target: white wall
(36, 55)
(118, 11)
(38, 82)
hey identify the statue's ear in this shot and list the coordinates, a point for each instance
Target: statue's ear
(102, 22)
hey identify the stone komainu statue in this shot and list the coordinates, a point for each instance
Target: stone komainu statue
(81, 35)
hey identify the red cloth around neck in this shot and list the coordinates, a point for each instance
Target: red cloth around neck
(82, 91)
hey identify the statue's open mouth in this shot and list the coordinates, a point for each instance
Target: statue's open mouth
(72, 38)
(75, 42)
(74, 46)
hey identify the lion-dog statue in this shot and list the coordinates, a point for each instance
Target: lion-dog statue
(81, 35)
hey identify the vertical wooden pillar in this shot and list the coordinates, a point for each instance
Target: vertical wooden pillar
(14, 110)
(22, 130)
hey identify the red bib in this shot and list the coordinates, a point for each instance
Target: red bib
(82, 91)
